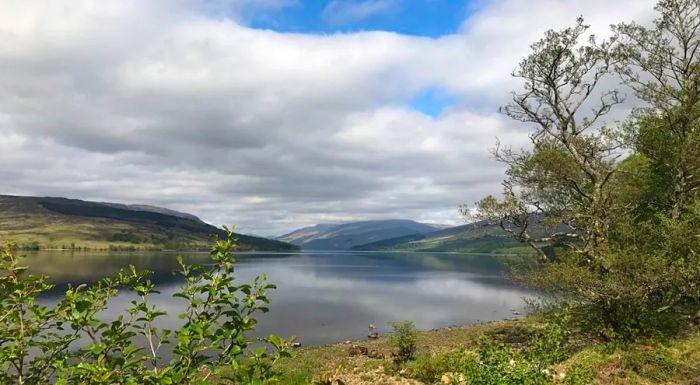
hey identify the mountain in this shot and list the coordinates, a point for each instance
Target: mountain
(46, 222)
(479, 237)
(348, 235)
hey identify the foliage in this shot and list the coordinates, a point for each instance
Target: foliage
(404, 340)
(566, 175)
(621, 241)
(662, 68)
(71, 343)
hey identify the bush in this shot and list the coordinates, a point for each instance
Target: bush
(551, 345)
(404, 340)
(69, 343)
(641, 293)
(503, 365)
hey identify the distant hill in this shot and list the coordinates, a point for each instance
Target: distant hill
(348, 235)
(46, 222)
(480, 237)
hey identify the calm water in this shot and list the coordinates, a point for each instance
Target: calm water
(326, 297)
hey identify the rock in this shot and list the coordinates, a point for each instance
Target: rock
(375, 354)
(447, 378)
(356, 351)
(373, 335)
(347, 342)
(451, 378)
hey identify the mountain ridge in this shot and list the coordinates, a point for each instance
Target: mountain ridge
(56, 222)
(478, 237)
(344, 236)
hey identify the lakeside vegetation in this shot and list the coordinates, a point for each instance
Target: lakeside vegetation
(71, 341)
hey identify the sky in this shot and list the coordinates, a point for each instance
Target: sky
(270, 114)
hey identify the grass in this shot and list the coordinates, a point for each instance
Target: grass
(659, 361)
(671, 361)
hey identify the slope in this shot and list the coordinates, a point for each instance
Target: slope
(46, 222)
(479, 237)
(348, 235)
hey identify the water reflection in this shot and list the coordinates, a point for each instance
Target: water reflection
(326, 297)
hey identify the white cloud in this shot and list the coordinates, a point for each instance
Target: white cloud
(162, 103)
(339, 12)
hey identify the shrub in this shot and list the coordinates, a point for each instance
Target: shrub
(551, 345)
(503, 365)
(69, 343)
(404, 340)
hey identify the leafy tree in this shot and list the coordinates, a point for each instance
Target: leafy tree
(613, 212)
(70, 342)
(567, 174)
(662, 65)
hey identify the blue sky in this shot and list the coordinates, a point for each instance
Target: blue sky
(411, 17)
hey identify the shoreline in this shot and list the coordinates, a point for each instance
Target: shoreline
(315, 360)
(607, 364)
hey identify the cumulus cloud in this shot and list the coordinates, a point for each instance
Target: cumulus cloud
(163, 103)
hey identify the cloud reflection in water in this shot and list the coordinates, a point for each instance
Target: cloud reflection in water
(323, 298)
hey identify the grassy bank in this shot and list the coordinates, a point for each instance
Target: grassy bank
(655, 361)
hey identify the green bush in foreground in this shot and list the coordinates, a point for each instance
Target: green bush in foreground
(69, 343)
(404, 340)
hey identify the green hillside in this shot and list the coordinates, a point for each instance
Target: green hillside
(472, 238)
(60, 223)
